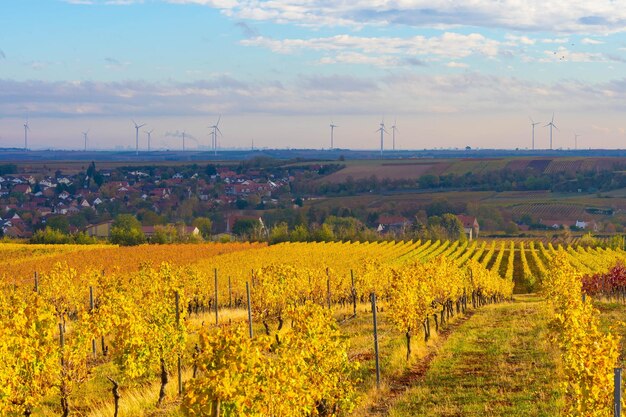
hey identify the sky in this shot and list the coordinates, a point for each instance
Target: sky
(447, 74)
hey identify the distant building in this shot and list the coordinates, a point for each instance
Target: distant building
(101, 230)
(389, 224)
(470, 225)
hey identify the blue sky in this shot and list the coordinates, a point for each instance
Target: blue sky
(451, 73)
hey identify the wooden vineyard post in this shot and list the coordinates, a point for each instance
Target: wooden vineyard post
(102, 344)
(328, 287)
(230, 294)
(216, 309)
(353, 291)
(91, 308)
(249, 309)
(179, 365)
(617, 392)
(61, 342)
(373, 297)
(215, 409)
(36, 283)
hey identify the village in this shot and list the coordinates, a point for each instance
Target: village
(89, 202)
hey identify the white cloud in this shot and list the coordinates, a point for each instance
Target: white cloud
(555, 40)
(454, 64)
(337, 94)
(566, 55)
(357, 49)
(515, 40)
(556, 16)
(589, 41)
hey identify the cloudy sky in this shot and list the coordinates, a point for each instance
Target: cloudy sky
(449, 73)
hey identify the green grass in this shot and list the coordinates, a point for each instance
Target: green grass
(499, 363)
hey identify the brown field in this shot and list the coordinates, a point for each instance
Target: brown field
(392, 171)
(551, 211)
(74, 167)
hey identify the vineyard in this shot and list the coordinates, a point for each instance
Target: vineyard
(294, 329)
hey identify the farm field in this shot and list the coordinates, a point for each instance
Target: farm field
(411, 169)
(501, 364)
(309, 303)
(541, 205)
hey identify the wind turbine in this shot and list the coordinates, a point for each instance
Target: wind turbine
(332, 134)
(382, 131)
(137, 136)
(26, 129)
(576, 136)
(552, 125)
(393, 134)
(215, 131)
(533, 123)
(149, 133)
(183, 141)
(85, 137)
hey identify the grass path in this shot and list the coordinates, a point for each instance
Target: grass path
(498, 363)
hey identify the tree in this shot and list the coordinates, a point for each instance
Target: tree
(204, 225)
(164, 234)
(126, 231)
(60, 223)
(324, 233)
(244, 226)
(344, 228)
(94, 175)
(453, 227)
(279, 233)
(210, 170)
(511, 228)
(299, 234)
(49, 236)
(150, 218)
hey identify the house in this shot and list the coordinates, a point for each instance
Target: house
(470, 225)
(232, 219)
(17, 231)
(392, 223)
(22, 188)
(102, 230)
(581, 224)
(160, 193)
